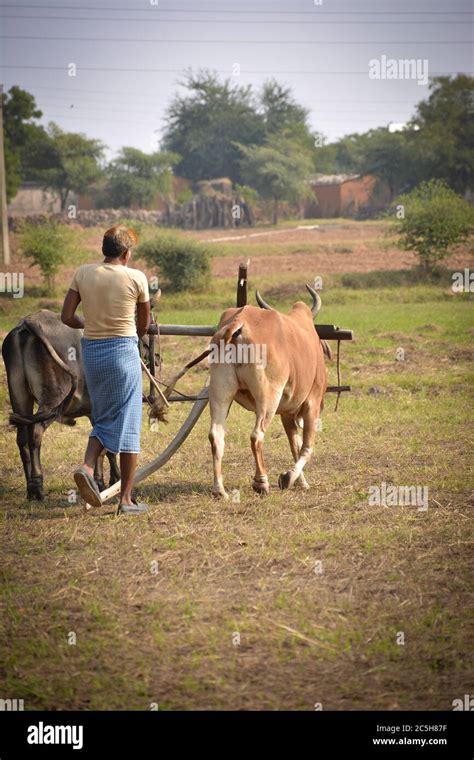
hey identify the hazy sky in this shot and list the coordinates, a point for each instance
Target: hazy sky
(129, 55)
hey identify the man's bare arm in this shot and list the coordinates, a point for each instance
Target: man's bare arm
(143, 318)
(68, 313)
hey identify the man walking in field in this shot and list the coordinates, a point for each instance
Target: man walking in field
(110, 292)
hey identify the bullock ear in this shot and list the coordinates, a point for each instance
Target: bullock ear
(261, 302)
(316, 305)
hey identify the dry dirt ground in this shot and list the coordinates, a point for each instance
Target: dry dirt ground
(332, 248)
(301, 599)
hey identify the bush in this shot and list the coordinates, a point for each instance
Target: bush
(435, 219)
(48, 245)
(182, 262)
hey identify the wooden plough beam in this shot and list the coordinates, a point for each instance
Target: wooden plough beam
(171, 449)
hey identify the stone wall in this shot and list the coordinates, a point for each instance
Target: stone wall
(31, 198)
(205, 211)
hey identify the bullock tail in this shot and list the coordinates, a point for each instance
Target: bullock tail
(32, 419)
(229, 331)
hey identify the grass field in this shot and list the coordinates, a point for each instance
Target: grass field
(298, 600)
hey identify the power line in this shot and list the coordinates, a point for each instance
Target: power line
(156, 112)
(271, 72)
(107, 107)
(260, 12)
(146, 94)
(159, 105)
(96, 68)
(228, 42)
(127, 121)
(91, 121)
(221, 21)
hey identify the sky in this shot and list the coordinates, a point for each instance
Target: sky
(130, 56)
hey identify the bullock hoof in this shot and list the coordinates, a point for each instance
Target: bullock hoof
(287, 480)
(261, 487)
(34, 490)
(302, 484)
(35, 495)
(220, 493)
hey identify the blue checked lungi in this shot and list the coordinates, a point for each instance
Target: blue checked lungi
(114, 381)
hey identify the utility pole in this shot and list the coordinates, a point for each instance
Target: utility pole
(4, 241)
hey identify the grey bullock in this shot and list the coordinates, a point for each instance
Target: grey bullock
(43, 361)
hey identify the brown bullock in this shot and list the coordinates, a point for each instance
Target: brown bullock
(270, 363)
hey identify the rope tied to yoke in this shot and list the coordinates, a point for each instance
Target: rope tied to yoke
(338, 368)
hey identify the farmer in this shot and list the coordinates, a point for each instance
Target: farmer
(109, 292)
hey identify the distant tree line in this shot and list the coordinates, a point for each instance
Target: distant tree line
(437, 143)
(261, 140)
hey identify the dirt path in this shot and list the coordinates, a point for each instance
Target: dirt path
(316, 263)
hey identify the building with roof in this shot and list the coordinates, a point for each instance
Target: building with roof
(352, 195)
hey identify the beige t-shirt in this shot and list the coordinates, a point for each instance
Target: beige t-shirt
(109, 293)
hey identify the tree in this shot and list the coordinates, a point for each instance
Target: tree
(27, 146)
(434, 219)
(446, 137)
(391, 156)
(48, 245)
(280, 111)
(75, 163)
(325, 156)
(277, 170)
(135, 177)
(437, 143)
(204, 126)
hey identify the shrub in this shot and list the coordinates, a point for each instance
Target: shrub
(183, 263)
(48, 245)
(435, 219)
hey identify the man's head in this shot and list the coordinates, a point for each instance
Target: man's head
(118, 243)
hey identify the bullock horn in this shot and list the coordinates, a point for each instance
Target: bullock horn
(316, 305)
(261, 302)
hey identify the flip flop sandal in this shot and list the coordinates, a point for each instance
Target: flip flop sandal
(87, 487)
(136, 508)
